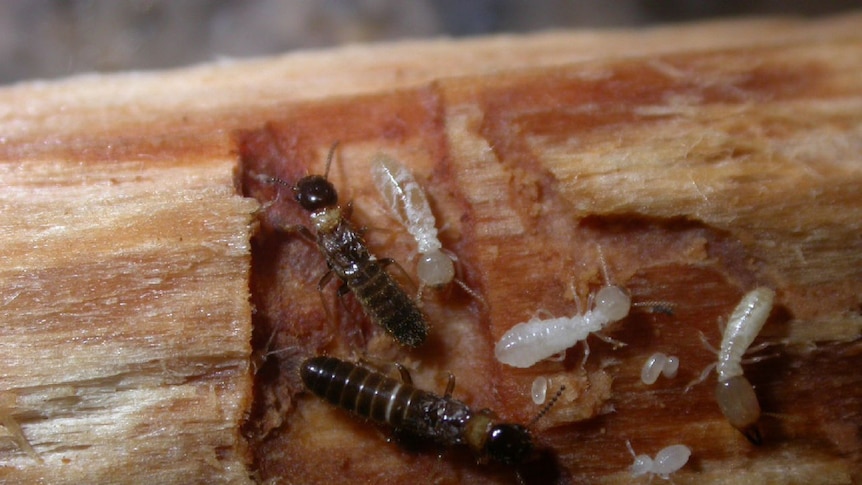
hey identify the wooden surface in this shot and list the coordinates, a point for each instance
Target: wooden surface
(125, 319)
(703, 159)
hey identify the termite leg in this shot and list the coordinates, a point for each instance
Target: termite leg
(706, 343)
(586, 353)
(342, 290)
(258, 359)
(541, 313)
(303, 232)
(616, 343)
(389, 261)
(558, 357)
(450, 386)
(320, 285)
(757, 358)
(701, 378)
(405, 374)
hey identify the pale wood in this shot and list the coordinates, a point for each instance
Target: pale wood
(704, 159)
(125, 320)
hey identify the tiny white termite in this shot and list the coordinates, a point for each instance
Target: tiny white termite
(667, 461)
(537, 339)
(529, 342)
(659, 364)
(539, 389)
(408, 204)
(734, 393)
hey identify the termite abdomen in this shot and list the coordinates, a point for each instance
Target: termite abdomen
(739, 404)
(387, 304)
(355, 388)
(415, 412)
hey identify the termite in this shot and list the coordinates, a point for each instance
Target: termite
(537, 339)
(415, 412)
(381, 298)
(659, 364)
(734, 393)
(668, 460)
(529, 342)
(408, 204)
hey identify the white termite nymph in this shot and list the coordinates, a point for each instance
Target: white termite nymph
(659, 364)
(408, 204)
(667, 461)
(734, 394)
(529, 342)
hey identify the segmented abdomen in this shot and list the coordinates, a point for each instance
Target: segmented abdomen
(529, 342)
(742, 328)
(386, 304)
(381, 298)
(359, 390)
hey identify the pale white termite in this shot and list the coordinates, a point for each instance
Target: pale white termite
(734, 394)
(659, 364)
(408, 204)
(537, 339)
(668, 460)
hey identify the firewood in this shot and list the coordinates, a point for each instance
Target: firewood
(703, 160)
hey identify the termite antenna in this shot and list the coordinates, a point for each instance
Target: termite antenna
(329, 159)
(278, 181)
(547, 407)
(656, 306)
(604, 264)
(269, 179)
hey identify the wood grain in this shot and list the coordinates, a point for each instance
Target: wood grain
(700, 176)
(703, 159)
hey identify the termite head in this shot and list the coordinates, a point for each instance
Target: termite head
(509, 443)
(613, 302)
(314, 192)
(503, 442)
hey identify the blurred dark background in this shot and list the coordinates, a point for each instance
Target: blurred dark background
(53, 38)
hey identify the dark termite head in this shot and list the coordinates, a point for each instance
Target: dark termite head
(508, 443)
(491, 440)
(314, 192)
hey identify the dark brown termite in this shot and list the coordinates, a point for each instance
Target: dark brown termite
(415, 412)
(348, 257)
